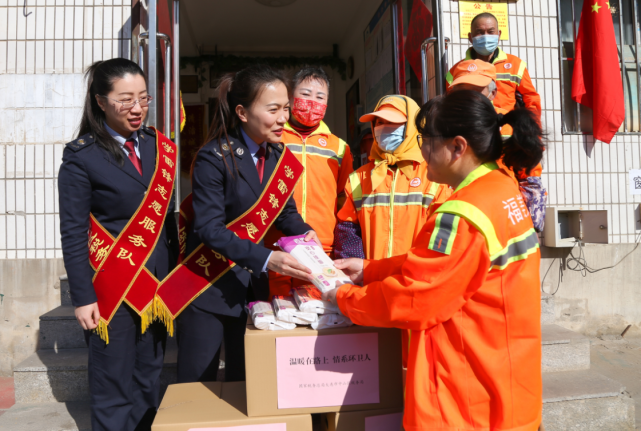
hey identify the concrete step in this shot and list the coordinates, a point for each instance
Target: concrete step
(69, 416)
(61, 375)
(65, 295)
(563, 350)
(547, 309)
(60, 330)
(585, 400)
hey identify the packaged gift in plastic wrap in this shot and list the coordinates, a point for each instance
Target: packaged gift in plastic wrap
(308, 298)
(310, 254)
(264, 318)
(329, 321)
(286, 310)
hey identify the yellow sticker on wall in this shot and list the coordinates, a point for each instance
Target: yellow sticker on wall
(469, 9)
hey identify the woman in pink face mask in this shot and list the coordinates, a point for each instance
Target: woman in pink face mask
(327, 160)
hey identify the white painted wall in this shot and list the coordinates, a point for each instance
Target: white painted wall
(42, 59)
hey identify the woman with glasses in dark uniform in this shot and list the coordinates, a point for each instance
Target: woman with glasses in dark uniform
(107, 172)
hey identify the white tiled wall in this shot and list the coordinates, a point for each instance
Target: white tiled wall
(43, 55)
(42, 59)
(577, 171)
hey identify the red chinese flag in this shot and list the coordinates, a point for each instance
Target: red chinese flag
(596, 82)
(420, 28)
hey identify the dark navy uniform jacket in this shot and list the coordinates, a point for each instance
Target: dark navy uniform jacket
(219, 197)
(91, 181)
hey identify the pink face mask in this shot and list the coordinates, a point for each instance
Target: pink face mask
(308, 112)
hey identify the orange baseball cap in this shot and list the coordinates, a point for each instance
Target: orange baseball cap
(386, 112)
(475, 72)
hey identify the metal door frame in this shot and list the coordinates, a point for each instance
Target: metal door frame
(149, 64)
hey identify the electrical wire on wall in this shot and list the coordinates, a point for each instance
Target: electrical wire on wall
(580, 263)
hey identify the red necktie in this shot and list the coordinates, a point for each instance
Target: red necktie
(129, 145)
(260, 163)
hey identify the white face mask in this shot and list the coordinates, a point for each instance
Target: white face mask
(389, 136)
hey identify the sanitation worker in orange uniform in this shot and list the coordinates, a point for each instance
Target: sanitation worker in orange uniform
(387, 200)
(469, 288)
(512, 77)
(327, 161)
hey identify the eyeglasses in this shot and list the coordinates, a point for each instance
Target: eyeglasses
(128, 104)
(419, 139)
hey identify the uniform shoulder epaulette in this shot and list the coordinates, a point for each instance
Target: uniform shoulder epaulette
(279, 148)
(146, 130)
(225, 147)
(83, 141)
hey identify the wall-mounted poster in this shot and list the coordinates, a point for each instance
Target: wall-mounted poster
(352, 99)
(379, 56)
(469, 9)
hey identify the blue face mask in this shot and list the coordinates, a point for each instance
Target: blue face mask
(485, 44)
(389, 136)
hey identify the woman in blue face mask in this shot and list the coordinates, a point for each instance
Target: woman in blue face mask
(387, 199)
(484, 36)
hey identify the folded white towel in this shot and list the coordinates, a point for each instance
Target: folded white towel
(328, 321)
(286, 310)
(264, 318)
(308, 299)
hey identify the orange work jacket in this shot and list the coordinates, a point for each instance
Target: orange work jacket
(469, 292)
(390, 229)
(511, 76)
(328, 162)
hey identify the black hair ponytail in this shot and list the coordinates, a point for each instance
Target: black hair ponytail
(471, 115)
(524, 149)
(100, 77)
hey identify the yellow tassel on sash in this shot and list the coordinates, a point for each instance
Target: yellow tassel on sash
(162, 313)
(147, 317)
(102, 332)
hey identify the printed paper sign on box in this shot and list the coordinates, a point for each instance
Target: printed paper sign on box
(328, 370)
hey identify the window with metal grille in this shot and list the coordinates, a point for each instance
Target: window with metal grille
(625, 16)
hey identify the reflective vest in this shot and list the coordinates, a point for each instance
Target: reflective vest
(511, 76)
(328, 162)
(391, 216)
(469, 291)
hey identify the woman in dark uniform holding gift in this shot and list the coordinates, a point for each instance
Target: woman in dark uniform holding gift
(107, 173)
(229, 175)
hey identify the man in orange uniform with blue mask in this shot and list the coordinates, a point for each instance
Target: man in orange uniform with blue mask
(511, 75)
(327, 161)
(387, 200)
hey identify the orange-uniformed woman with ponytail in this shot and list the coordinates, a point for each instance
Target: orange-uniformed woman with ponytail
(469, 288)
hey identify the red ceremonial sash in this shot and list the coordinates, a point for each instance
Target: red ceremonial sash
(204, 266)
(120, 263)
(185, 217)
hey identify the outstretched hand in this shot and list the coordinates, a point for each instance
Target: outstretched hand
(353, 268)
(283, 263)
(311, 235)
